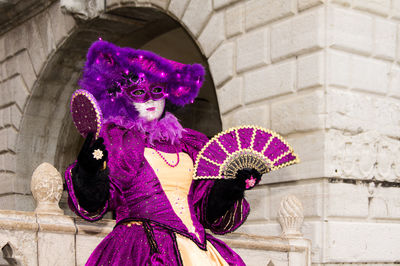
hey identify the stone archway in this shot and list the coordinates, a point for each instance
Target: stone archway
(46, 124)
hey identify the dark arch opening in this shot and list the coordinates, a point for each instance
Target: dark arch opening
(47, 126)
(8, 255)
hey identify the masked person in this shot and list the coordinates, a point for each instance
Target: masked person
(141, 166)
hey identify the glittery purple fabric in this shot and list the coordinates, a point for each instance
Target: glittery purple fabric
(206, 168)
(229, 141)
(136, 194)
(260, 140)
(86, 114)
(275, 149)
(215, 153)
(245, 135)
(285, 159)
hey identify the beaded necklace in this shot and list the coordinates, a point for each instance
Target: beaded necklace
(165, 160)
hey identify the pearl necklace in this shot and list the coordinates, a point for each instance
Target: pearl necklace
(165, 160)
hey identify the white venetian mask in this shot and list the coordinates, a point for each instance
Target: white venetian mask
(150, 110)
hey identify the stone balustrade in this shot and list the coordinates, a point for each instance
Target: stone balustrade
(48, 237)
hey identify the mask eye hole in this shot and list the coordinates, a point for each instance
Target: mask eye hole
(138, 92)
(157, 90)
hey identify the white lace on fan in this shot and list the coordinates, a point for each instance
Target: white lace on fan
(245, 159)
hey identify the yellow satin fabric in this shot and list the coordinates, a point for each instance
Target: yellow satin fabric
(194, 256)
(176, 182)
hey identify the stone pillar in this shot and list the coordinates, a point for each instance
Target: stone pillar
(291, 216)
(47, 187)
(56, 235)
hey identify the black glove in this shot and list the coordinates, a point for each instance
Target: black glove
(226, 192)
(248, 178)
(90, 178)
(92, 156)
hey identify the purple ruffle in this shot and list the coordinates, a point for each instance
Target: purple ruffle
(167, 129)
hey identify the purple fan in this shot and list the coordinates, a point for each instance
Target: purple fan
(86, 113)
(243, 147)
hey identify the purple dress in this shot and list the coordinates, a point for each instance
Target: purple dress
(137, 195)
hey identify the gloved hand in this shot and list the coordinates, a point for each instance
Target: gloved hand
(226, 192)
(248, 178)
(90, 176)
(93, 156)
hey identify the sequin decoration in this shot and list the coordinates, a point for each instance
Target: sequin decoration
(243, 147)
(245, 137)
(86, 113)
(215, 153)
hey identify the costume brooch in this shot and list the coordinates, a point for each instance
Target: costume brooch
(128, 79)
(98, 154)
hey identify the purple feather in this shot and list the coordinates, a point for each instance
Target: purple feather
(166, 129)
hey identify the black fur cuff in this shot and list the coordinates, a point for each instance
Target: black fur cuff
(92, 190)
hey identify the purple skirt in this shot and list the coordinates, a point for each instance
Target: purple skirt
(133, 246)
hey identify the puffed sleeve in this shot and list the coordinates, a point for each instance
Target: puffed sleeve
(230, 221)
(200, 190)
(124, 149)
(73, 202)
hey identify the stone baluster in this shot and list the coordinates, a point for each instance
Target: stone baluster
(46, 186)
(56, 231)
(291, 216)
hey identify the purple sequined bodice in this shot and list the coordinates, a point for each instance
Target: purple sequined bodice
(137, 181)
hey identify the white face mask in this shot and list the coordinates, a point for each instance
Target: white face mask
(150, 110)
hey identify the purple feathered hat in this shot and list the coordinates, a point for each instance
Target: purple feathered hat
(108, 66)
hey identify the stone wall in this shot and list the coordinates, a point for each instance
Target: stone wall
(24, 53)
(337, 64)
(324, 73)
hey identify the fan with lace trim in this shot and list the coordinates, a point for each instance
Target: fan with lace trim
(243, 147)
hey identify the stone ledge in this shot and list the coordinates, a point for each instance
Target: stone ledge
(270, 243)
(103, 227)
(27, 232)
(18, 220)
